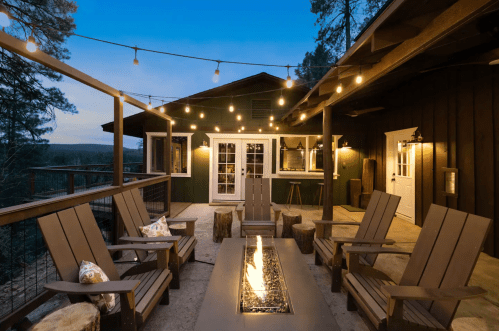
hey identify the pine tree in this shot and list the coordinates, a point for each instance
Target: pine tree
(27, 107)
(320, 57)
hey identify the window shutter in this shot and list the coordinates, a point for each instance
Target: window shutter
(260, 108)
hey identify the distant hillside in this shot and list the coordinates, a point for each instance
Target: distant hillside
(93, 148)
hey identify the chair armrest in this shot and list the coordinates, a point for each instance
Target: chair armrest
(336, 223)
(275, 206)
(151, 240)
(374, 250)
(239, 211)
(140, 247)
(122, 286)
(421, 293)
(343, 240)
(240, 207)
(181, 220)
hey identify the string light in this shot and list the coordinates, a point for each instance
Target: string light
(135, 61)
(271, 118)
(270, 124)
(289, 82)
(173, 122)
(231, 106)
(122, 97)
(4, 16)
(281, 100)
(260, 130)
(239, 130)
(277, 128)
(193, 126)
(358, 79)
(303, 116)
(187, 108)
(242, 128)
(31, 43)
(162, 108)
(216, 76)
(201, 115)
(217, 129)
(339, 88)
(149, 106)
(239, 117)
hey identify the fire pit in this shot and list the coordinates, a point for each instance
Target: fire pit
(263, 284)
(263, 288)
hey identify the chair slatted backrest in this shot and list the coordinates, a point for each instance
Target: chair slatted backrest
(257, 199)
(72, 235)
(134, 214)
(377, 219)
(445, 255)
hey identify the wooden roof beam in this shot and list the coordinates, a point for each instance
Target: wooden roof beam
(444, 24)
(17, 46)
(392, 35)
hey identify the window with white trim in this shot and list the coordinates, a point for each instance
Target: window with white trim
(181, 154)
(303, 154)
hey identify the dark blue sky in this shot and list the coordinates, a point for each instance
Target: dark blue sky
(277, 32)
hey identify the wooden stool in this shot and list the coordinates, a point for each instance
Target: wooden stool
(290, 195)
(288, 219)
(82, 316)
(304, 237)
(178, 229)
(321, 185)
(222, 224)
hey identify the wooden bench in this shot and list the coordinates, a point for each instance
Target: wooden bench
(372, 232)
(72, 235)
(134, 214)
(434, 280)
(257, 219)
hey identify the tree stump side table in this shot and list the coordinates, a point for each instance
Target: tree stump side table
(82, 316)
(288, 219)
(222, 224)
(304, 237)
(178, 229)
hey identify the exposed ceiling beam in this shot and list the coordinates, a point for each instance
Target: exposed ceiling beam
(355, 113)
(392, 35)
(447, 22)
(15, 45)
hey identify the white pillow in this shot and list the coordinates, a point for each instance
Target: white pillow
(156, 229)
(90, 273)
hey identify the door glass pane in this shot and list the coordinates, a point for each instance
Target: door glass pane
(254, 160)
(230, 189)
(226, 168)
(403, 159)
(222, 168)
(231, 148)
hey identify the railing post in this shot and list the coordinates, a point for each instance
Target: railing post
(71, 183)
(88, 179)
(117, 167)
(32, 177)
(168, 167)
(327, 121)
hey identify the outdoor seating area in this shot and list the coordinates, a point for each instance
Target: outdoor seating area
(355, 188)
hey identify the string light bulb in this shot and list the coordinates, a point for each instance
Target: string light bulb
(231, 106)
(187, 108)
(217, 129)
(260, 130)
(4, 16)
(281, 100)
(135, 61)
(239, 130)
(201, 115)
(239, 117)
(122, 97)
(173, 122)
(271, 118)
(339, 88)
(271, 124)
(359, 79)
(149, 106)
(242, 128)
(162, 108)
(194, 126)
(289, 82)
(303, 116)
(277, 128)
(216, 76)
(31, 43)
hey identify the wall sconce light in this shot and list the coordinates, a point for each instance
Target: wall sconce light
(450, 182)
(345, 145)
(204, 144)
(300, 146)
(416, 138)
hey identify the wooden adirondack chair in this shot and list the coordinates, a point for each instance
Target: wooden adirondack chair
(257, 204)
(133, 212)
(434, 280)
(72, 235)
(372, 232)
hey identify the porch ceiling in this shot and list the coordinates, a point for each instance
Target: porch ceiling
(406, 40)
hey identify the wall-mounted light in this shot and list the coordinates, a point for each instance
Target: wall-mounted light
(204, 144)
(345, 145)
(300, 146)
(416, 138)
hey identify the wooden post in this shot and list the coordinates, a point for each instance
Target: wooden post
(168, 166)
(32, 177)
(327, 209)
(118, 143)
(71, 183)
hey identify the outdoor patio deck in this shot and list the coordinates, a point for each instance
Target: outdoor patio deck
(181, 314)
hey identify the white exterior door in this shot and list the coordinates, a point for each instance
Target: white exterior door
(227, 169)
(255, 161)
(400, 172)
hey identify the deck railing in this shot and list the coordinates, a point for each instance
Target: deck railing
(25, 264)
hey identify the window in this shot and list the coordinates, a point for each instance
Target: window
(158, 154)
(180, 153)
(304, 154)
(403, 159)
(260, 108)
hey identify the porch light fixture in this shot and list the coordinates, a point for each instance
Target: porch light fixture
(135, 61)
(149, 106)
(345, 145)
(4, 16)
(204, 144)
(217, 129)
(122, 97)
(281, 100)
(239, 117)
(300, 146)
(289, 82)
(31, 43)
(316, 145)
(416, 138)
(283, 146)
(339, 88)
(216, 76)
(201, 115)
(194, 126)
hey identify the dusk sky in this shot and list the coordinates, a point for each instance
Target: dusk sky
(277, 32)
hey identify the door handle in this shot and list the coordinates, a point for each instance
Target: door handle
(393, 179)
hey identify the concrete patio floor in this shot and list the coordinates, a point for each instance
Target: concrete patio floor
(181, 314)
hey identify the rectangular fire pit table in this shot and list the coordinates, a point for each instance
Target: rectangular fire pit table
(221, 305)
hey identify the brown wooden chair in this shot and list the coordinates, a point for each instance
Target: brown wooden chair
(372, 232)
(72, 235)
(434, 280)
(134, 214)
(257, 205)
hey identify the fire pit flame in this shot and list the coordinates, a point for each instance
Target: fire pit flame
(254, 273)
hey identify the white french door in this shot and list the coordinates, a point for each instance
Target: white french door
(235, 159)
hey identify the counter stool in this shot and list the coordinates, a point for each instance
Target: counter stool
(298, 195)
(321, 185)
